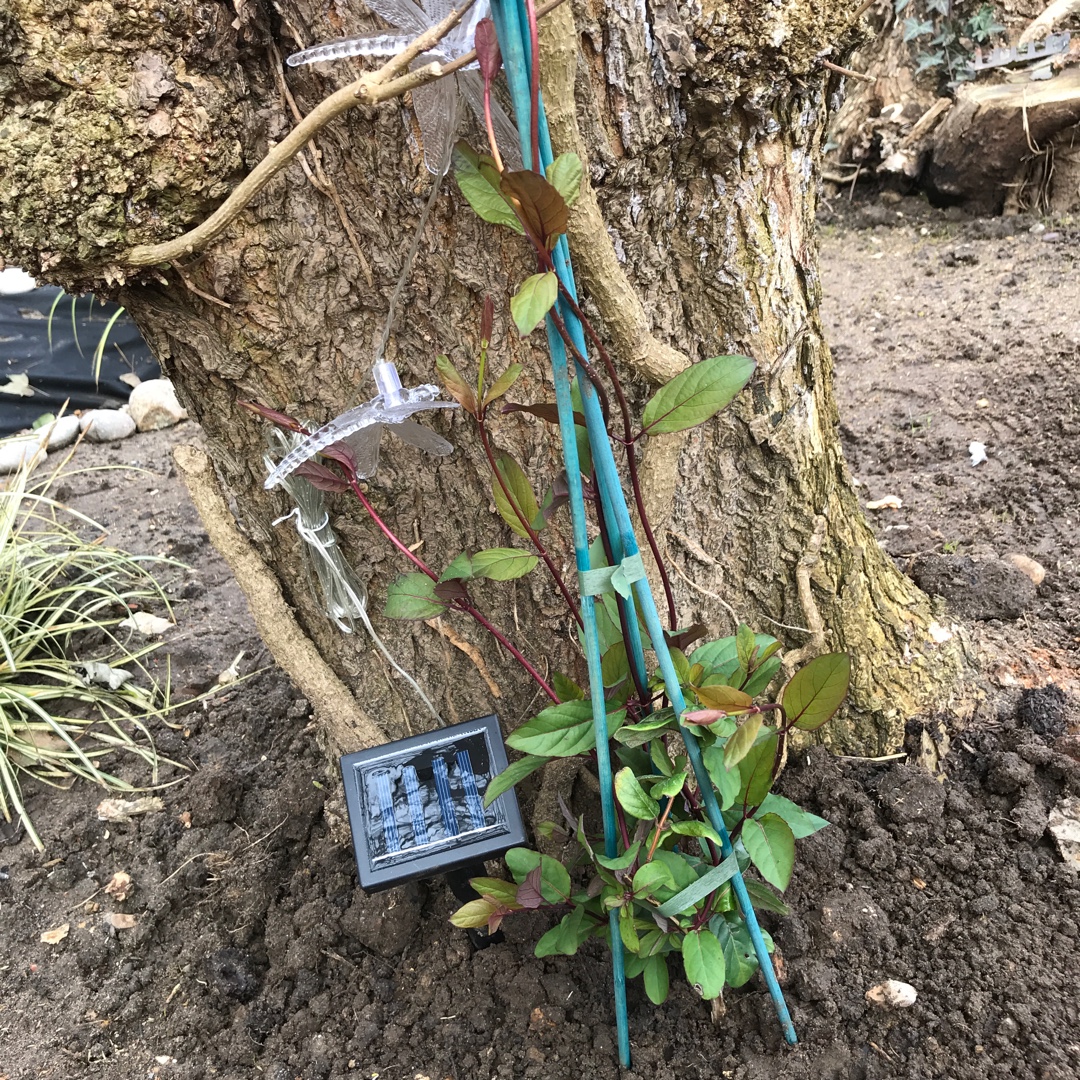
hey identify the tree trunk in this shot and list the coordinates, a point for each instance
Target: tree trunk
(702, 140)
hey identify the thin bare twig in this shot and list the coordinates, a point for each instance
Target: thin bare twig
(847, 71)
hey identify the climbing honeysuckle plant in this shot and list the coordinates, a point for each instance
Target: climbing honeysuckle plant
(670, 885)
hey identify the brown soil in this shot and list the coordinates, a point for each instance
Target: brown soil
(254, 953)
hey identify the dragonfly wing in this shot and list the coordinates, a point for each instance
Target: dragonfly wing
(404, 14)
(421, 437)
(365, 446)
(436, 106)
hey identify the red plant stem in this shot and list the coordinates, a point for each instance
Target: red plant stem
(386, 530)
(660, 828)
(631, 456)
(491, 127)
(534, 87)
(511, 648)
(462, 604)
(533, 535)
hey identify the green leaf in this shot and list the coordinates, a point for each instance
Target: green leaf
(459, 570)
(701, 829)
(521, 495)
(720, 658)
(581, 436)
(655, 976)
(762, 676)
(565, 175)
(633, 798)
(771, 846)
(474, 914)
(554, 880)
(726, 781)
(740, 961)
(505, 892)
(456, 386)
(816, 691)
(763, 897)
(681, 665)
(738, 746)
(533, 301)
(801, 822)
(620, 862)
(627, 929)
(565, 938)
(566, 688)
(474, 174)
(683, 873)
(660, 759)
(670, 786)
(561, 730)
(723, 697)
(502, 383)
(696, 394)
(502, 564)
(412, 596)
(756, 769)
(614, 667)
(703, 961)
(745, 644)
(514, 773)
(651, 876)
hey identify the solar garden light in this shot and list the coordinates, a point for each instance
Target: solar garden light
(416, 809)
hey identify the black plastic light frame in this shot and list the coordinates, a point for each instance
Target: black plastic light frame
(416, 805)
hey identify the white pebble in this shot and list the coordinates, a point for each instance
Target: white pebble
(15, 453)
(107, 425)
(154, 406)
(59, 433)
(891, 995)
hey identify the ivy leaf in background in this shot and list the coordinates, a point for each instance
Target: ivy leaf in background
(696, 394)
(412, 596)
(655, 976)
(533, 301)
(817, 690)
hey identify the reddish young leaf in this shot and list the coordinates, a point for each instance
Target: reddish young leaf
(546, 410)
(274, 416)
(456, 386)
(342, 453)
(528, 892)
(487, 49)
(486, 321)
(538, 205)
(321, 477)
(449, 591)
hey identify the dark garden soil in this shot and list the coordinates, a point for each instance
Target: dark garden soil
(254, 954)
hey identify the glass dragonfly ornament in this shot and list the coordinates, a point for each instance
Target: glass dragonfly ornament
(436, 104)
(362, 426)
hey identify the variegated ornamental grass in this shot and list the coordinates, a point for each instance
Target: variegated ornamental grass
(74, 689)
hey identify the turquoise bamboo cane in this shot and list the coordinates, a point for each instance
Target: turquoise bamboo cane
(511, 44)
(518, 67)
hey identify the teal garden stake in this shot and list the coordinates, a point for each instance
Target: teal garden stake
(515, 40)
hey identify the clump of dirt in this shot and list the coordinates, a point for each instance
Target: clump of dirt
(253, 952)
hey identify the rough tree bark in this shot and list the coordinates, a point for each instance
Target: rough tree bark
(125, 124)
